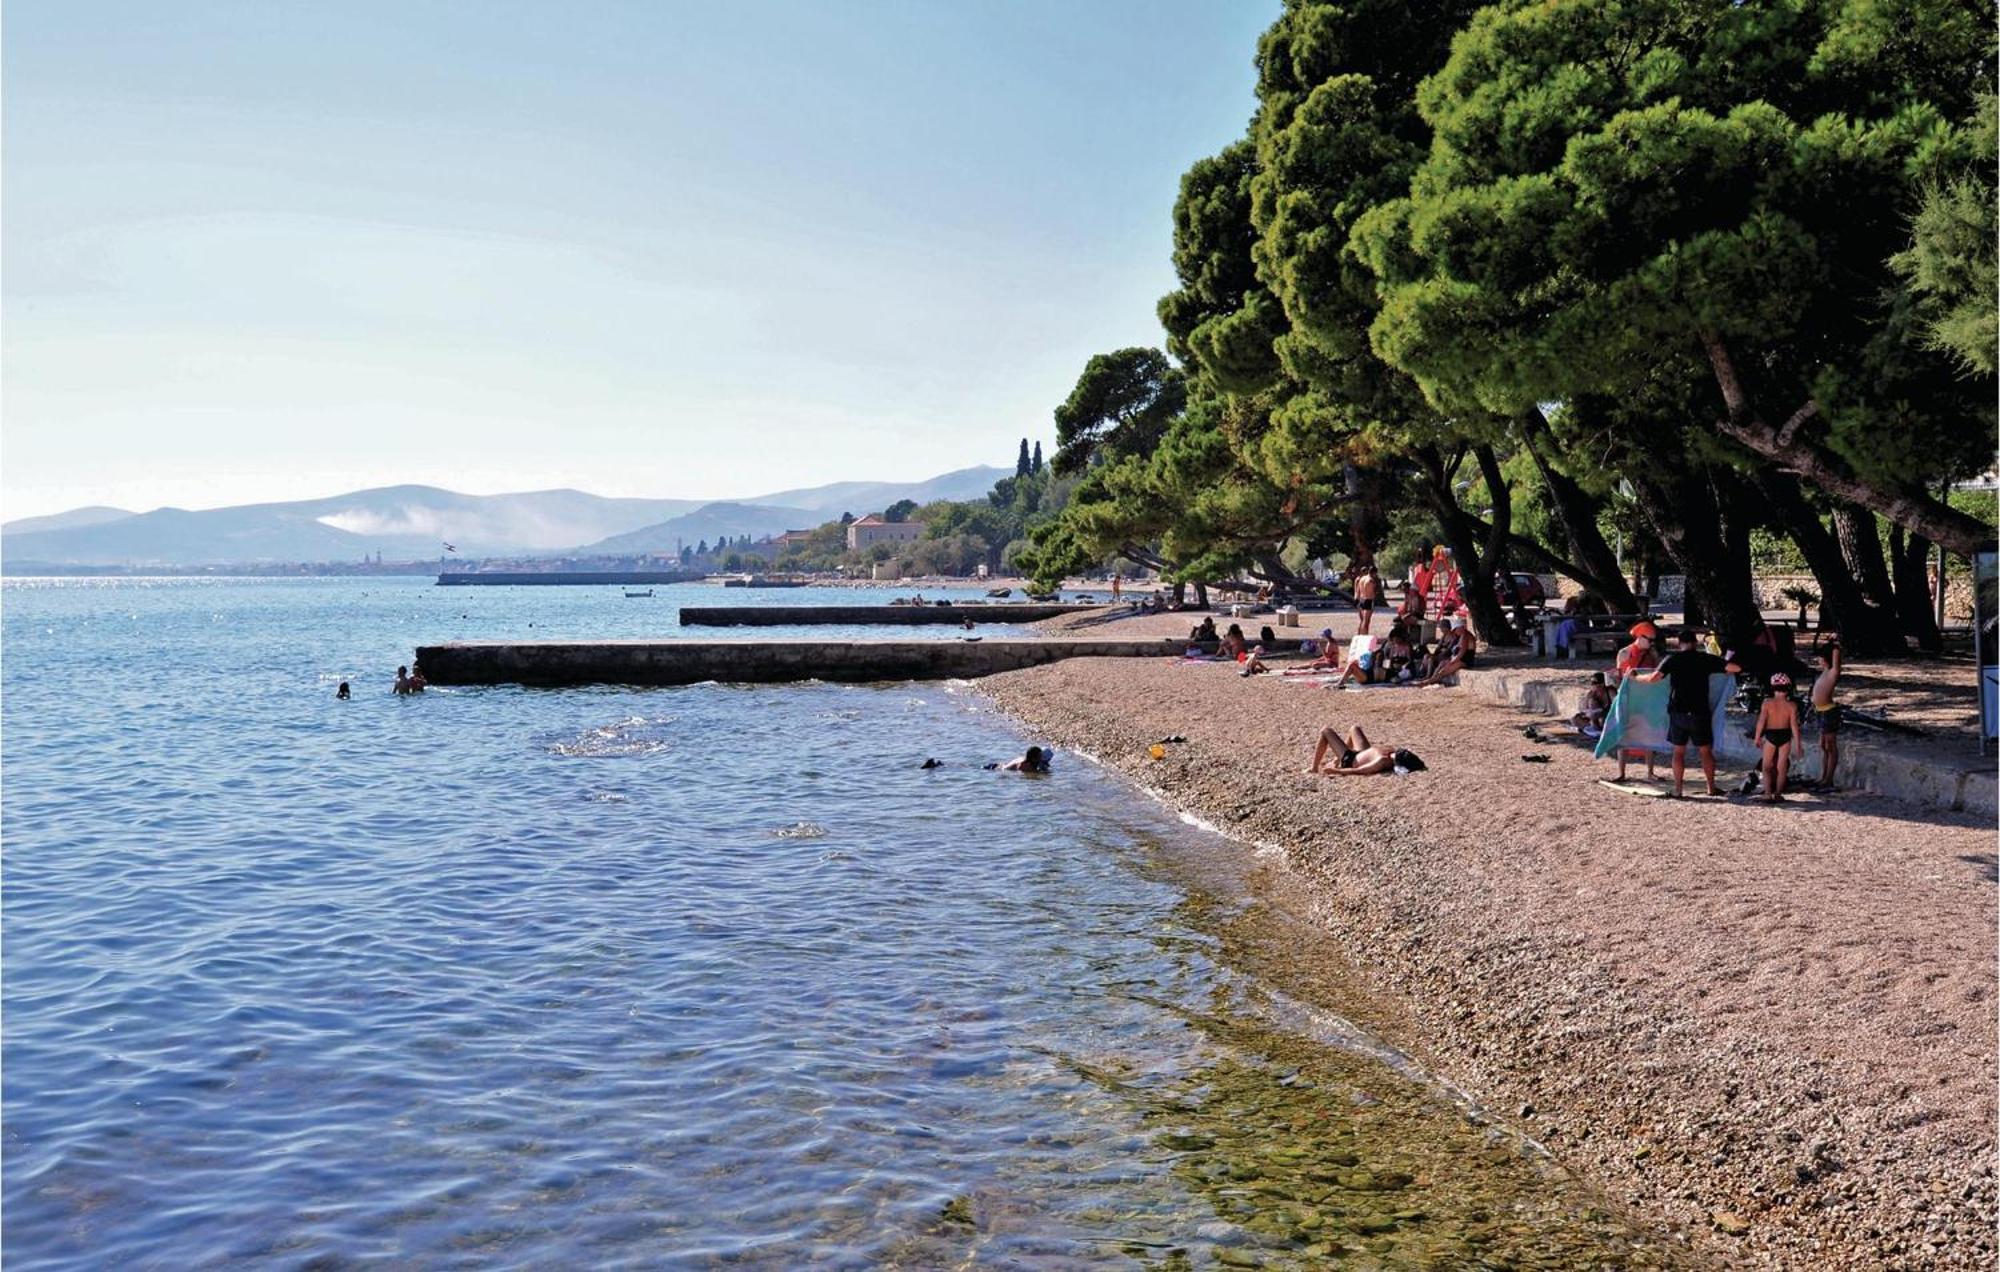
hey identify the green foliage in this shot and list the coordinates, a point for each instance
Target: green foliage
(1950, 265)
(1121, 405)
(1610, 183)
(899, 511)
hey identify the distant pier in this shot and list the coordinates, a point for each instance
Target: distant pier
(563, 578)
(685, 662)
(886, 615)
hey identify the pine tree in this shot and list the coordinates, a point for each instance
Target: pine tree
(1035, 465)
(1022, 465)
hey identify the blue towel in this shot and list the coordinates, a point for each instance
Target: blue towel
(1637, 720)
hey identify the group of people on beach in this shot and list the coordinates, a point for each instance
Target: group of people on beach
(1769, 679)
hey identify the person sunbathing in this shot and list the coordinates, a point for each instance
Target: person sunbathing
(1357, 756)
(1233, 644)
(1360, 664)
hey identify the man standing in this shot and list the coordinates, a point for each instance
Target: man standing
(1690, 718)
(1367, 586)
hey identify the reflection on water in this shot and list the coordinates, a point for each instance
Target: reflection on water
(691, 976)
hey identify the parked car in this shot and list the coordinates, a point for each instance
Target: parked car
(1527, 585)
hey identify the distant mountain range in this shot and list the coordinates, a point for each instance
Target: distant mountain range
(413, 522)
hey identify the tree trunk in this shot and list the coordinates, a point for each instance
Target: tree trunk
(1576, 511)
(1865, 631)
(1913, 596)
(1367, 517)
(1916, 510)
(1478, 557)
(1861, 548)
(1201, 595)
(1681, 508)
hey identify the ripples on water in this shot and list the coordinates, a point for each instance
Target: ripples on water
(525, 978)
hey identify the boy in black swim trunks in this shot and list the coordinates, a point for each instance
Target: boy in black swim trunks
(1777, 725)
(1689, 717)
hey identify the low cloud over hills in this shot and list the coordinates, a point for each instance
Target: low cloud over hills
(413, 522)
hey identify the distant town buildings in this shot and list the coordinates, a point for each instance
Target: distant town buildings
(871, 530)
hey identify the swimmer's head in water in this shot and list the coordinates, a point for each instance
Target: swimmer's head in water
(402, 671)
(1035, 760)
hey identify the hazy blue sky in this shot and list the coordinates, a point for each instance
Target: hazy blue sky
(275, 250)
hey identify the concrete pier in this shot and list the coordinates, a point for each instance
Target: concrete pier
(890, 615)
(686, 662)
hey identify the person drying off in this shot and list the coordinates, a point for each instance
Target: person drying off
(1777, 727)
(1690, 719)
(1826, 710)
(1356, 756)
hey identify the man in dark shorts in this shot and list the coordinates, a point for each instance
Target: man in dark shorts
(1689, 718)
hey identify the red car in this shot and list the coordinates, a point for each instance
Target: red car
(1528, 585)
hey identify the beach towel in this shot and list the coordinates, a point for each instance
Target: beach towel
(1637, 720)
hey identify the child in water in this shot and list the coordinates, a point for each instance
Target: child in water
(1777, 727)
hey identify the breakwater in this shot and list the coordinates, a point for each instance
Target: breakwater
(563, 578)
(686, 662)
(886, 615)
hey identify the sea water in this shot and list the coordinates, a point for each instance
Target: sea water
(675, 977)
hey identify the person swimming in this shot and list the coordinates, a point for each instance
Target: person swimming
(1036, 760)
(343, 693)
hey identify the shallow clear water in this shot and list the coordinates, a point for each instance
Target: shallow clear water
(504, 977)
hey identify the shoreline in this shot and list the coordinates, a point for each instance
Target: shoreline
(1727, 1028)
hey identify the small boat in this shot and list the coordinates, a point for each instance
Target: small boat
(999, 592)
(637, 596)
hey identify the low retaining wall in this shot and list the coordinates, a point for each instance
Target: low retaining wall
(686, 662)
(1866, 763)
(891, 615)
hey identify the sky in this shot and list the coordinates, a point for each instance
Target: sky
(275, 250)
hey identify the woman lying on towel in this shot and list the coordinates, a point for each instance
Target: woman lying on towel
(1358, 757)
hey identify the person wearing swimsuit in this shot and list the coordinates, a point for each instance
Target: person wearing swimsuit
(1777, 722)
(1827, 711)
(1367, 584)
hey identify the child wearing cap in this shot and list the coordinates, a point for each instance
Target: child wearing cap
(1777, 728)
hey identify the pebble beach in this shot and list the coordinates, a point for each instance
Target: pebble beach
(1772, 1029)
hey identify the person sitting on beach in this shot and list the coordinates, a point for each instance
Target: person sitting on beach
(1596, 706)
(1204, 631)
(1233, 644)
(343, 693)
(1253, 662)
(1326, 657)
(1453, 653)
(1826, 711)
(1777, 726)
(1360, 664)
(1266, 637)
(1393, 662)
(1356, 757)
(1035, 760)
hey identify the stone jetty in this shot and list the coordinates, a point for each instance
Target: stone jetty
(684, 662)
(888, 615)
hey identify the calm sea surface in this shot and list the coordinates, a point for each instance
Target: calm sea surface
(675, 977)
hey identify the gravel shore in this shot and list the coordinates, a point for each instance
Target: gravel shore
(1771, 1028)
